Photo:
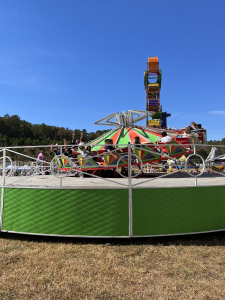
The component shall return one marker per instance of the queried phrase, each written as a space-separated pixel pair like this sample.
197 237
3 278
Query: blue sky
69 63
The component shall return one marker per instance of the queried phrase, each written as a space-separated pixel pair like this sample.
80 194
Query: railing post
2 193
130 192
60 180
196 182
3 169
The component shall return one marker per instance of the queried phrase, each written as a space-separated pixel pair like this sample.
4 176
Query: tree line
17 132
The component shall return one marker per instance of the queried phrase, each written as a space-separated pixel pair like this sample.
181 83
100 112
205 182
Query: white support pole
2 193
130 193
196 181
60 180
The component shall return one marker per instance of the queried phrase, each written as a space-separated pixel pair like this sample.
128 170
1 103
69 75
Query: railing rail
33 165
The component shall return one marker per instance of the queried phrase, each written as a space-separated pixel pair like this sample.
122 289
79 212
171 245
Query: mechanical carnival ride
151 151
117 207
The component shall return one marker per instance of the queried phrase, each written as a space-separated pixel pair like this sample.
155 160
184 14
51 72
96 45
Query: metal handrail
129 146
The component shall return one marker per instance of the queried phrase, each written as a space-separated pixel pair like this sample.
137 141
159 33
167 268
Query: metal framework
125 119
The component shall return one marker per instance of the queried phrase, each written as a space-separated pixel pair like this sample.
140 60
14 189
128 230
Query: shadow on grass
203 239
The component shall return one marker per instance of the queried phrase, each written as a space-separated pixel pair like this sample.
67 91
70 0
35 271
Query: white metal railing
169 165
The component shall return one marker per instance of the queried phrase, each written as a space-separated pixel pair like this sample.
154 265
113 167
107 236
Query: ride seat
145 153
172 148
183 140
111 160
86 163
162 146
200 136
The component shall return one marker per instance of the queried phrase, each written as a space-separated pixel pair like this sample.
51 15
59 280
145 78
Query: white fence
127 166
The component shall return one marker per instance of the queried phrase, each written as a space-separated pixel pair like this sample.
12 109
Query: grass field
187 267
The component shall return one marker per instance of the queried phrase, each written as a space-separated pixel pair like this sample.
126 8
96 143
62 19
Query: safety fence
145 165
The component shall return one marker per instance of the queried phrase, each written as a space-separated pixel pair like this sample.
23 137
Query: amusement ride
123 206
149 150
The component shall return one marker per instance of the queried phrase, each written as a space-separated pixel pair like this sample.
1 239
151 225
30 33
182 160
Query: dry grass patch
37 268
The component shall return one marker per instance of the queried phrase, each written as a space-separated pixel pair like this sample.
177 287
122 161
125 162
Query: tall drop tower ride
152 83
